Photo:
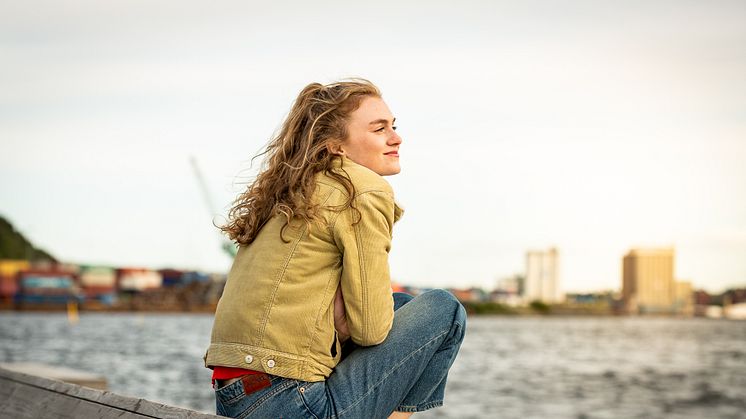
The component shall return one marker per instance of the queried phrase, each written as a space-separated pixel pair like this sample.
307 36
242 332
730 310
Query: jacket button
249 359
271 363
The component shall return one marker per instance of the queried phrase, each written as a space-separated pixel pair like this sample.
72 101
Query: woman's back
277 304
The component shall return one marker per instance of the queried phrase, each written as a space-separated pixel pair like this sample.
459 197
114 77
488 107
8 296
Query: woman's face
372 140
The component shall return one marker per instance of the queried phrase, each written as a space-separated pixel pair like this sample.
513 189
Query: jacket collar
398 211
341 161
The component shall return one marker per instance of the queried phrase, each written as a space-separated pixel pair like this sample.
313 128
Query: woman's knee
443 300
448 311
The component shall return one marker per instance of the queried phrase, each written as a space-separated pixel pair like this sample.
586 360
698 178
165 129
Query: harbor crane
227 246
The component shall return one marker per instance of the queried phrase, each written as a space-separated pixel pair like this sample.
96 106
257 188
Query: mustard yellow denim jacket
277 310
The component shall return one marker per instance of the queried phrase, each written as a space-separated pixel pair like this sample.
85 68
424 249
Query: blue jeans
407 372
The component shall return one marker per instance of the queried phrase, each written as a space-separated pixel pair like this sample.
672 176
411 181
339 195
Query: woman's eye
394 128
380 129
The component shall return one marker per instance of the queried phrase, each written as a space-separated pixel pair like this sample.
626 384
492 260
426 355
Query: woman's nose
395 139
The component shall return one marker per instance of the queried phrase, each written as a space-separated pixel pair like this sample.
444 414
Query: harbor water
509 367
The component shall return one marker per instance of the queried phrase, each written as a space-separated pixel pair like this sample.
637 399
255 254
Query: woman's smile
371 136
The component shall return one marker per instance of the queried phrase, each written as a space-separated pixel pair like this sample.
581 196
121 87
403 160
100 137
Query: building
511 284
648 284
509 291
684 298
542 277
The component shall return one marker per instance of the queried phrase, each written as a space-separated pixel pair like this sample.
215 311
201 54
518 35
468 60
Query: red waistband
226 373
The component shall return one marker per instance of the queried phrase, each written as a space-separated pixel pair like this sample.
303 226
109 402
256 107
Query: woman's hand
340 319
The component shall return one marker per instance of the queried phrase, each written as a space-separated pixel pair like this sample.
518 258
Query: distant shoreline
516 313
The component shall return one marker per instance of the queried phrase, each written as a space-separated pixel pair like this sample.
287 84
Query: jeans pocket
313 395
232 401
229 394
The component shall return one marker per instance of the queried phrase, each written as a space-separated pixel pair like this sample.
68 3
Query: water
508 367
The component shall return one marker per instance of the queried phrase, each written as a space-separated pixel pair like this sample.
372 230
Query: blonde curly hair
317 121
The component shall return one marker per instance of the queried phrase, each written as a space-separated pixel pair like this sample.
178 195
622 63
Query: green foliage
540 307
487 308
14 246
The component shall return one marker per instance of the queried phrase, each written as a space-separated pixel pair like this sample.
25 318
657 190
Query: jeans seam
420 407
376 385
460 327
263 399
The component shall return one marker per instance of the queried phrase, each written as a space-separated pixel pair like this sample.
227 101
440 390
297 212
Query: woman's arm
366 285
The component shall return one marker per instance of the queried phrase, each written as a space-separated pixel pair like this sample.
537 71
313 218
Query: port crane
227 246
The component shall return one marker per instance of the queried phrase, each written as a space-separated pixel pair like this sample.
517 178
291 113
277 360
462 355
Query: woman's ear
335 148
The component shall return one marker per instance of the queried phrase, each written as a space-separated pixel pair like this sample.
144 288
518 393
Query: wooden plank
67 375
33 402
25 396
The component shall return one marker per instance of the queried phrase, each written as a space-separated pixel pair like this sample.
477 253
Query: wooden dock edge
28 396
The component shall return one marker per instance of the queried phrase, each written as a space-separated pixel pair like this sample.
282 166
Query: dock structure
67 375
25 396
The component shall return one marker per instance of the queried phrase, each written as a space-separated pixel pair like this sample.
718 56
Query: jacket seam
387 193
318 313
278 279
243 345
329 230
330 185
364 283
357 193
333 221
307 349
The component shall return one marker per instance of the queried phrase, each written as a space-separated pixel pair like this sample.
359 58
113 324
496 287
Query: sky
591 126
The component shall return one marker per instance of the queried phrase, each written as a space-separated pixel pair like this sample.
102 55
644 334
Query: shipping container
9 269
46 289
194 276
45 283
99 296
138 279
171 277
97 276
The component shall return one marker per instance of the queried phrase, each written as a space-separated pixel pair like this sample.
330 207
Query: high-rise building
648 284
542 277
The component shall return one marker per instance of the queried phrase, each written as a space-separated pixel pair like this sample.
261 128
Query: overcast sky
592 126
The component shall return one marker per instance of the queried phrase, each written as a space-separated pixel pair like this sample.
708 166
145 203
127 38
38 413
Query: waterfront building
511 284
648 284
684 298
542 277
509 291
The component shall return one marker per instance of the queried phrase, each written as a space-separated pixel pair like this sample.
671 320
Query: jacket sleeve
365 281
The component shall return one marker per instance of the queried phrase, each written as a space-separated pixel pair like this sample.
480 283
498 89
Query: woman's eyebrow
381 121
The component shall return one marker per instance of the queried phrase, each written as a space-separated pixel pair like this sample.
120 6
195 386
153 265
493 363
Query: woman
311 278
